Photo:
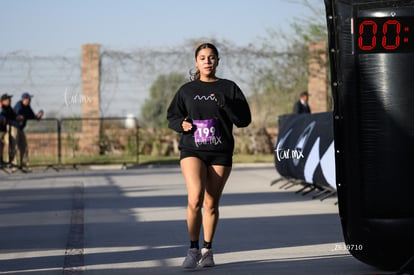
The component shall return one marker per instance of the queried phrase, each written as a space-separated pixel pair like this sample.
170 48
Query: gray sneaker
193 256
206 258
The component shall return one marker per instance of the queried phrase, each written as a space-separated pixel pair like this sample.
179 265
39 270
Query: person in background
302 106
24 110
204 111
3 131
10 120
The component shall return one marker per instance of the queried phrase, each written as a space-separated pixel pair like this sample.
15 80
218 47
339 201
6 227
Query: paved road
132 221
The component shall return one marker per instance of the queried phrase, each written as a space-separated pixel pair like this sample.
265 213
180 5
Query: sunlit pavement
133 222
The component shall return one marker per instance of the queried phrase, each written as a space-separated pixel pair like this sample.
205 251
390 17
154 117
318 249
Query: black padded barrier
304 150
371 46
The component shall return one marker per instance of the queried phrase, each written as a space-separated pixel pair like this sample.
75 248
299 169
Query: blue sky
57 26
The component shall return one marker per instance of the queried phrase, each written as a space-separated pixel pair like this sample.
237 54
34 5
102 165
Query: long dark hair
196 75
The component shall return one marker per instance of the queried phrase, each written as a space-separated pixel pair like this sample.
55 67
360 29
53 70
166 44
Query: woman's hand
187 125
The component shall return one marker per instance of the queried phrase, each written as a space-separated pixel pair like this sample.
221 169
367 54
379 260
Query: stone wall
317 74
90 96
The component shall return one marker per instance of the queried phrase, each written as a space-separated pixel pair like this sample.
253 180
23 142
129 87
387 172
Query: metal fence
72 141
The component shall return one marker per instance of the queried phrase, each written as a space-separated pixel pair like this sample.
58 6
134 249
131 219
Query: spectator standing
9 119
24 110
302 106
3 131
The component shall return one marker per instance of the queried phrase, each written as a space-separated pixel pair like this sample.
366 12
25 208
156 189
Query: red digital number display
376 35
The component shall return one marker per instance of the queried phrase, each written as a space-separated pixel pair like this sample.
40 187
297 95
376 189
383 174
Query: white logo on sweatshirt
203 97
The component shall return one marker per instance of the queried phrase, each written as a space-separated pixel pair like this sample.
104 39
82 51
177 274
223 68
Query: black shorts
209 158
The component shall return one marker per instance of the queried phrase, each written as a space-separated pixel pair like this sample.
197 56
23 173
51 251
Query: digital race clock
384 34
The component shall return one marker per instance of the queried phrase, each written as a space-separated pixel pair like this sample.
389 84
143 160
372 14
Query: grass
237 158
141 160
259 158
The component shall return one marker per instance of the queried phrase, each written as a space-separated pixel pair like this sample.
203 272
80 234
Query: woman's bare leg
195 173
216 179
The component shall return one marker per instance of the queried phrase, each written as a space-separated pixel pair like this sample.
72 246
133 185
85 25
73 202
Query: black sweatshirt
212 108
24 110
10 115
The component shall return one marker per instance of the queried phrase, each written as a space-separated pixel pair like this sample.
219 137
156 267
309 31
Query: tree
154 109
279 81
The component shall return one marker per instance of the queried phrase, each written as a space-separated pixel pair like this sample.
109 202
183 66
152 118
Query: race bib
207 131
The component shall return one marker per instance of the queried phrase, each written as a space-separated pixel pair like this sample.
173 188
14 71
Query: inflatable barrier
304 150
371 46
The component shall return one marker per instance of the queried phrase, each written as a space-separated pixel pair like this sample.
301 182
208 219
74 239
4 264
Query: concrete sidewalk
133 222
